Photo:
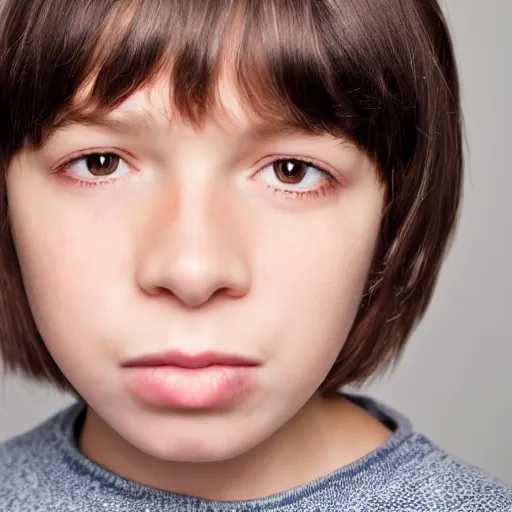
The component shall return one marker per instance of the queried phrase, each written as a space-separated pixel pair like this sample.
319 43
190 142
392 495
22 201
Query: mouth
191 361
185 381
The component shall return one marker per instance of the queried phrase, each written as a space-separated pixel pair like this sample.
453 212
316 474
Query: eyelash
329 185
329 182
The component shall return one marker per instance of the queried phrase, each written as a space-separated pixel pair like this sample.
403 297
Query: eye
294 175
97 165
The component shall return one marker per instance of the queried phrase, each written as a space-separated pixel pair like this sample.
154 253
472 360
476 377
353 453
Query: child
205 302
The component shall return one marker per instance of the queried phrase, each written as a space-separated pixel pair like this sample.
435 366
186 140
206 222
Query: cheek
313 282
70 264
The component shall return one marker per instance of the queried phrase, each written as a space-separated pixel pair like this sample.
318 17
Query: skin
195 250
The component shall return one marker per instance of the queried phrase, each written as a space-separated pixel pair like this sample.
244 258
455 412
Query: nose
193 248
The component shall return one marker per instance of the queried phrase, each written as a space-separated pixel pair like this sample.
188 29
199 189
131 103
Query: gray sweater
43 470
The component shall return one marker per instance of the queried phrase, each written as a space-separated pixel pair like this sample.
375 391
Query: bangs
316 65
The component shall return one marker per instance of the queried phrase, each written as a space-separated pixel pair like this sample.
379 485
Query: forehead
154 104
152 108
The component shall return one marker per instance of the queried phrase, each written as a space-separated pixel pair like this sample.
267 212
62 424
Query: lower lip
193 388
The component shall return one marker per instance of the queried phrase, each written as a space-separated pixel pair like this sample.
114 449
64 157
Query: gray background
455 379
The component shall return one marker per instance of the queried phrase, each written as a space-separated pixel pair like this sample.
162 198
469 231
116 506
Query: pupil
102 164
289 171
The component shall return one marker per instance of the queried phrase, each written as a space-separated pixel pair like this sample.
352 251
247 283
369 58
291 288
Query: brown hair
380 72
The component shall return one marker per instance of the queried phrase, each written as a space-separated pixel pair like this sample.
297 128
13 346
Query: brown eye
290 171
102 164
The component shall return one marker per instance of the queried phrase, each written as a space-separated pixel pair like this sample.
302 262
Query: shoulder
29 465
431 479
412 473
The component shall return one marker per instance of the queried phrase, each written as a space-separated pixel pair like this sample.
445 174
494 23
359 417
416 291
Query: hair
378 72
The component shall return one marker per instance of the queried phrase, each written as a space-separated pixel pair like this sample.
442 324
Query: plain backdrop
455 379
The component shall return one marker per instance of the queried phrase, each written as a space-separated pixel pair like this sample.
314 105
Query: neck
327 434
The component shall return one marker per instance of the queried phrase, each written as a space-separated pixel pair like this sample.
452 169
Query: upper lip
202 360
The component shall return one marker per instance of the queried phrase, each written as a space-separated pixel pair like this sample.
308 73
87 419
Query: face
148 247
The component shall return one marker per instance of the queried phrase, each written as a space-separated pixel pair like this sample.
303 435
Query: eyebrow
135 122
129 123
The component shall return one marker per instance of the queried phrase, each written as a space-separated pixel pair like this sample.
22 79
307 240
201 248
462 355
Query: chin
208 448
187 436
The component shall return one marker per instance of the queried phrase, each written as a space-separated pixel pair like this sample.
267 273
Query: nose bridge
196 248
202 223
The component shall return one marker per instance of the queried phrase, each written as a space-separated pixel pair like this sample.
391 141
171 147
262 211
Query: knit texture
43 471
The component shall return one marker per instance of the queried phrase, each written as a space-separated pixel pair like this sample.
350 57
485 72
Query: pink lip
176 358
179 380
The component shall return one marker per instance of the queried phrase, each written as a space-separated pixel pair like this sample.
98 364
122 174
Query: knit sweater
43 470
